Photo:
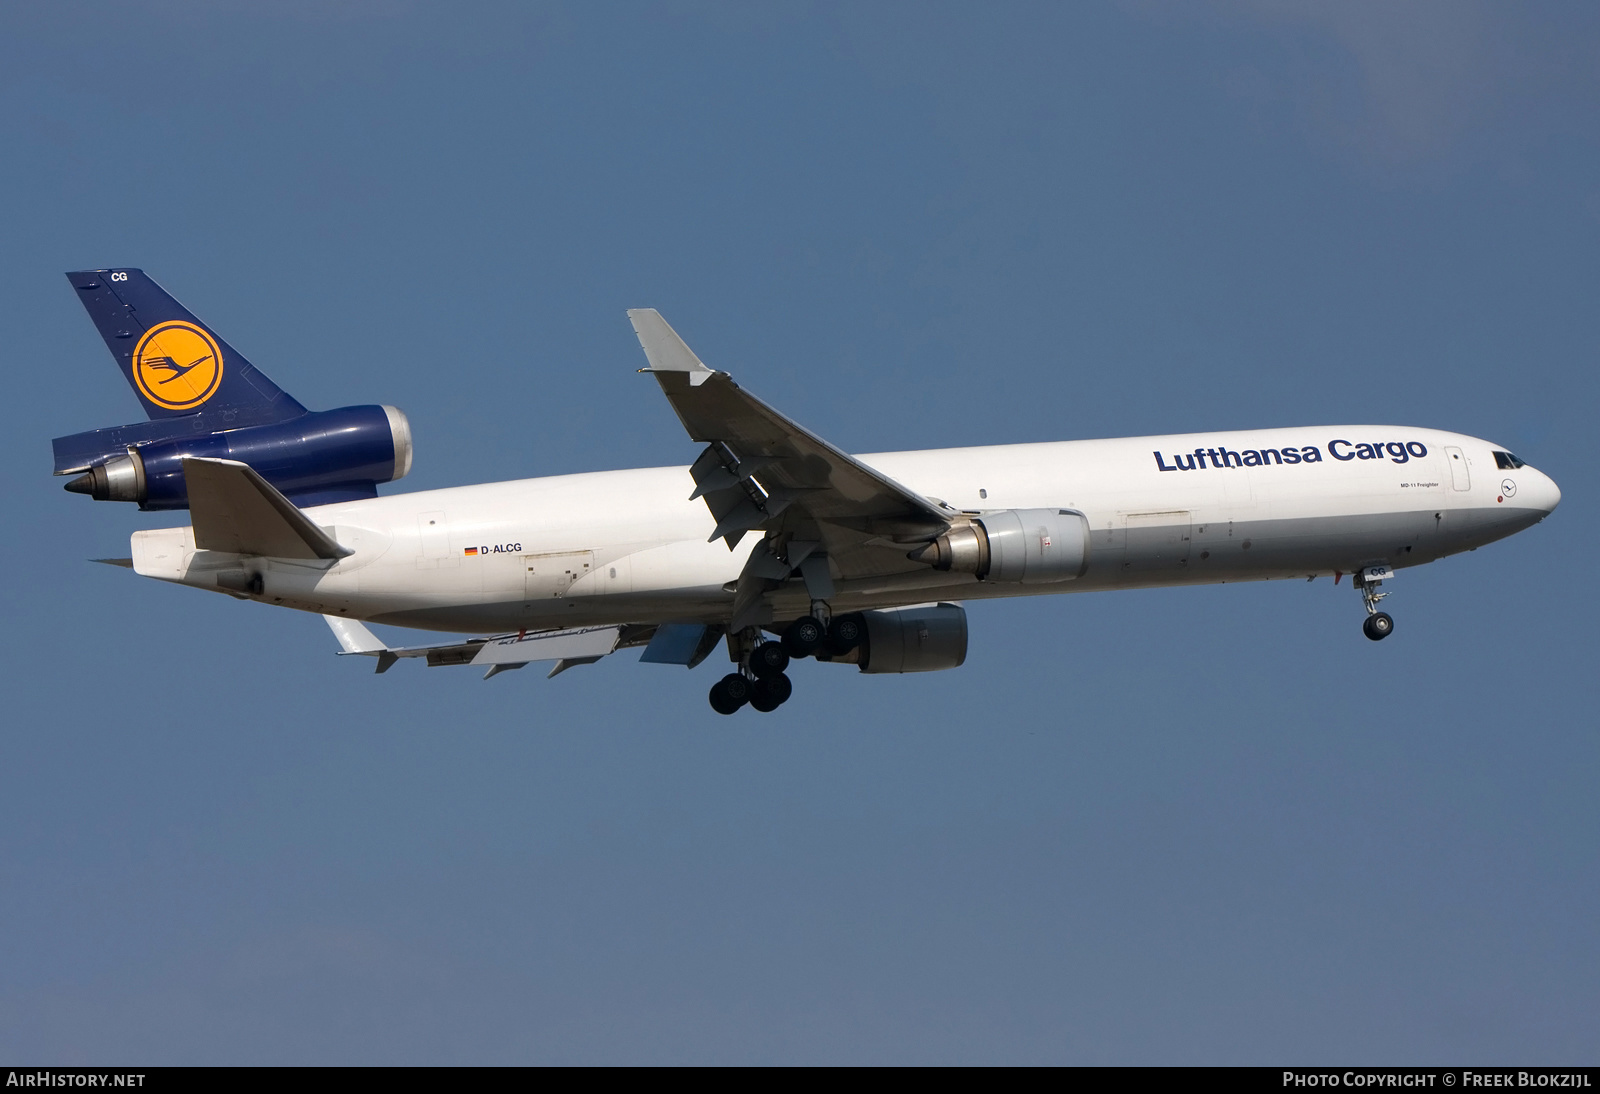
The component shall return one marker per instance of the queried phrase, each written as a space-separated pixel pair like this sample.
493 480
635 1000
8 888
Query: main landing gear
761 683
761 680
1378 625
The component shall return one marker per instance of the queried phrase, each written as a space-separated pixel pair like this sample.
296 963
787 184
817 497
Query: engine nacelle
1028 546
924 638
314 459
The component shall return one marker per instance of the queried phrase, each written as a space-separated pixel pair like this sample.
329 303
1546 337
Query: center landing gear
1378 625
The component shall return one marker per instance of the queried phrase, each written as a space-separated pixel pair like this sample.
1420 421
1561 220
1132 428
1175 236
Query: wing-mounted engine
314 459
923 638
1027 546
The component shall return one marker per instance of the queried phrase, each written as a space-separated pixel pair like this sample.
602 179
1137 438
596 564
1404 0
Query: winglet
664 349
354 637
236 510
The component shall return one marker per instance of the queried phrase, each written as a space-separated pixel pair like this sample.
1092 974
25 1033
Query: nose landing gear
1378 625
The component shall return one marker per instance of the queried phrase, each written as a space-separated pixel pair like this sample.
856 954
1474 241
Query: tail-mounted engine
314 459
1029 546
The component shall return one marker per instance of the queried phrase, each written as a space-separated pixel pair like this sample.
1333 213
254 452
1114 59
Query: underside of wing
676 644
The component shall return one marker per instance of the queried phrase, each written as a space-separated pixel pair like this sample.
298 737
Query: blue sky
1178 826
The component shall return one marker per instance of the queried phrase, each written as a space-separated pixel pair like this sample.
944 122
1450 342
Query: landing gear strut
1378 625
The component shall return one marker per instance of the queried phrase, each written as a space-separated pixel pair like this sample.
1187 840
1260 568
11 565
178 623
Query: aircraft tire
802 637
769 659
1378 626
770 693
730 693
844 634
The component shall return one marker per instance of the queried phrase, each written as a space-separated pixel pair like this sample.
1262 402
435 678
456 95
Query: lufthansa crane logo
177 365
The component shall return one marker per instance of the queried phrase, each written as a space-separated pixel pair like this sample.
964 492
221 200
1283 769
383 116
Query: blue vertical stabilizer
177 365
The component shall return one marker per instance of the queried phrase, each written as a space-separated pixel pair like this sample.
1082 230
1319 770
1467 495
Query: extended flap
588 642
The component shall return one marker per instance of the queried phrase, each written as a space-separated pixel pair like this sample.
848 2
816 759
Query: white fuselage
630 547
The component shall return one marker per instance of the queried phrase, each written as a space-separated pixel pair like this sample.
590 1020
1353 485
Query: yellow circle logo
177 365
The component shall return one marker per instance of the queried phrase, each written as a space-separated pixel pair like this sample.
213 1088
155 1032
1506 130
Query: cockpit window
1505 461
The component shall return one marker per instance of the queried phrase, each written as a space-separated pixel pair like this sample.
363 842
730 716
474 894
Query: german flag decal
496 549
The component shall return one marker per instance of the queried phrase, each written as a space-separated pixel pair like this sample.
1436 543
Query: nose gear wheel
1378 625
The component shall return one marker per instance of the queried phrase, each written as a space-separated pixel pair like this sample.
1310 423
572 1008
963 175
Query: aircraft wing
760 470
671 644
568 648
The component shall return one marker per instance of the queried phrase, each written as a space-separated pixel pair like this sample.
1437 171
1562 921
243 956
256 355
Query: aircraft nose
1551 492
1539 491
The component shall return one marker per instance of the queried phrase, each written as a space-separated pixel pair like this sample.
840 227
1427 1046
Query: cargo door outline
550 574
613 578
1154 542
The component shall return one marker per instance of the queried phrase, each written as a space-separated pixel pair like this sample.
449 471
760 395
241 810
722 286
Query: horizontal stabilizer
235 510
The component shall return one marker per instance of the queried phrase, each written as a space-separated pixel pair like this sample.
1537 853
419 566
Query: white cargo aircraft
772 531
